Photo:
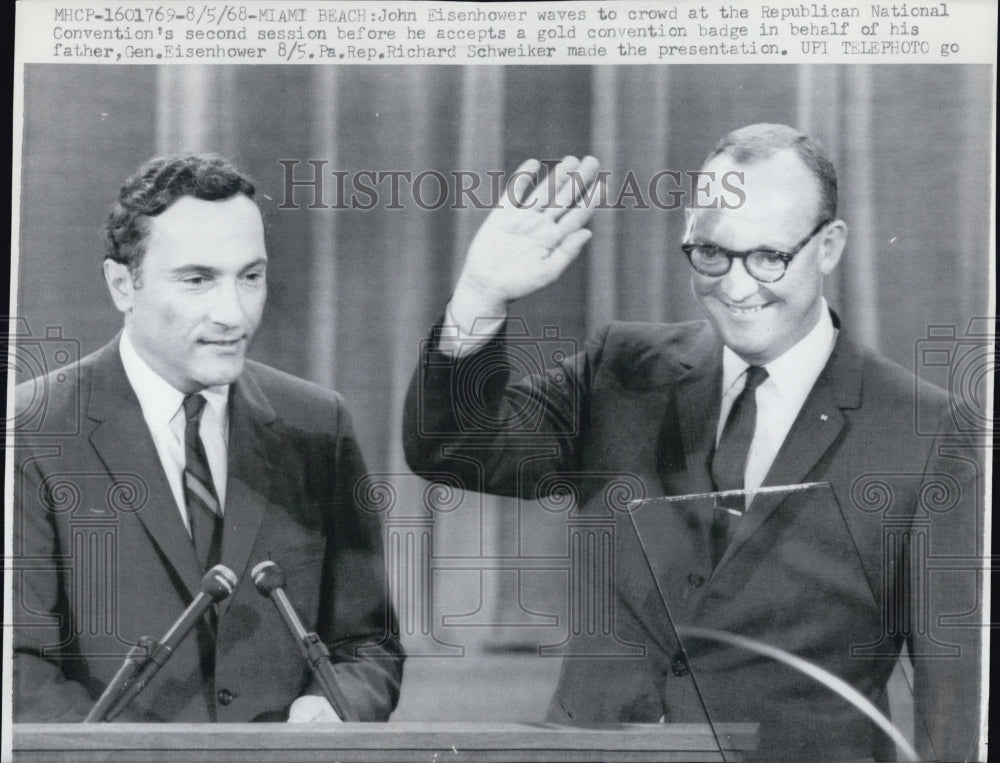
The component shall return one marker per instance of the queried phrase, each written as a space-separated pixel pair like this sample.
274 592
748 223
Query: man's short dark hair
761 141
154 187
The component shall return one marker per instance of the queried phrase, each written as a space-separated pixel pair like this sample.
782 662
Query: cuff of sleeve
312 708
458 341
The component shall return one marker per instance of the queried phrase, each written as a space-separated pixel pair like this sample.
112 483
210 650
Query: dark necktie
199 491
730 459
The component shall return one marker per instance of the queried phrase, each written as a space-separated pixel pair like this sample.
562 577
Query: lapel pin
823 417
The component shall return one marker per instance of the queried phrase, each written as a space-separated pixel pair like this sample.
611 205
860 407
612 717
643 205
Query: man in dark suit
167 452
770 391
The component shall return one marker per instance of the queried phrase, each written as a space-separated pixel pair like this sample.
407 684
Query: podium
456 742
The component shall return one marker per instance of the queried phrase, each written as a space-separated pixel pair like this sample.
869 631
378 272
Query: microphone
218 583
270 583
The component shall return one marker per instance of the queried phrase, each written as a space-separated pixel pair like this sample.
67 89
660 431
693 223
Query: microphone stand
218 583
135 661
270 582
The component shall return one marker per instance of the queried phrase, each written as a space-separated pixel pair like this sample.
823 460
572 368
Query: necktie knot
194 406
756 375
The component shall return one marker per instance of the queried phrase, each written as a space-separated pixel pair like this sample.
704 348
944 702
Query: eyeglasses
766 265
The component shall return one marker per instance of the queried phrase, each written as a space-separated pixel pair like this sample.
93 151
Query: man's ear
120 284
831 246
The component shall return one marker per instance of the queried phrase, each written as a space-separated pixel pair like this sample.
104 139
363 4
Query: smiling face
193 305
760 321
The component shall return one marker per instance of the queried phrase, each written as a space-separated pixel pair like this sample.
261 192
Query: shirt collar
799 366
159 399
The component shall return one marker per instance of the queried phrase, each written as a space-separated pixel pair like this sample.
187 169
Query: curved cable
825 677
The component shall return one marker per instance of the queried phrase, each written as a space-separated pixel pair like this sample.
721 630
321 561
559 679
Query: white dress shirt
163 409
459 341
790 379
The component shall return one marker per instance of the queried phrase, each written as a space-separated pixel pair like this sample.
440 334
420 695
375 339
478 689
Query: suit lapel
698 403
125 446
816 428
687 418
253 448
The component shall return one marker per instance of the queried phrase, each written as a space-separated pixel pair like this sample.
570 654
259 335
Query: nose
738 285
227 306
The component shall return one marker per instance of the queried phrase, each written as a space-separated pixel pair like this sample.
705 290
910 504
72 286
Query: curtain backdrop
353 292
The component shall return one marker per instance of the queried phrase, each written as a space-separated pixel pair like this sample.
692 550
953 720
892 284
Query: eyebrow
755 248
260 261
184 270
781 249
208 270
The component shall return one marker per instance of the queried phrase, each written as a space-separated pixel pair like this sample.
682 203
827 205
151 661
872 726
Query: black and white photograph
437 409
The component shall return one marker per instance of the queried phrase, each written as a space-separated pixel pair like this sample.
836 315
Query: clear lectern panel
774 611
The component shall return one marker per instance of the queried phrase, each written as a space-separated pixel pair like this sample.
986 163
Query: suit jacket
102 556
841 575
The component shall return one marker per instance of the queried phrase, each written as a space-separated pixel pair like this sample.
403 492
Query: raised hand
529 239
